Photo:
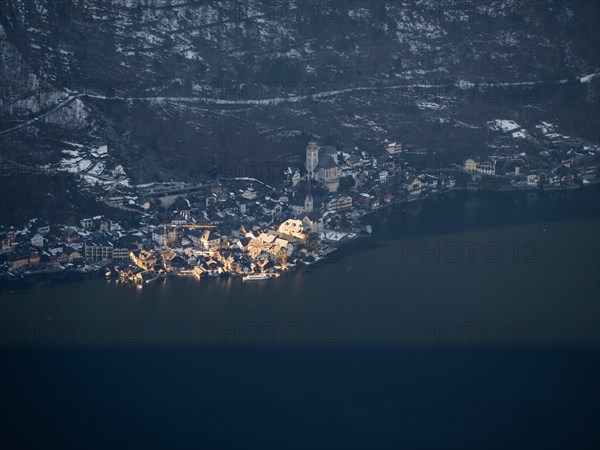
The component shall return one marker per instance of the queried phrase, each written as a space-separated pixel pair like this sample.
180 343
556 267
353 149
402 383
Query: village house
429 181
62 258
363 199
275 209
210 200
532 179
589 171
487 167
73 256
6 245
394 148
173 236
194 235
269 245
292 227
24 260
296 177
87 223
178 220
115 200
554 180
542 178
186 213
340 203
413 186
249 194
37 240
41 227
104 224
389 164
296 206
98 251
470 165
229 206
568 179
176 263
121 254
209 242
212 244
74 238
353 162
313 223
158 235
143 259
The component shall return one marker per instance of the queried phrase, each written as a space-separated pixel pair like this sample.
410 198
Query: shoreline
69 275
510 190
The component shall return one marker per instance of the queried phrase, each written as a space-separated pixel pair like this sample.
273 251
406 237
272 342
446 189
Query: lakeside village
243 227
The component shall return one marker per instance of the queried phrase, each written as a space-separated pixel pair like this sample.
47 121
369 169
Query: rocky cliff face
175 85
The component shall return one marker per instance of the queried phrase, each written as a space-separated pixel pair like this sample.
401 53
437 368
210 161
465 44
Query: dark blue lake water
466 322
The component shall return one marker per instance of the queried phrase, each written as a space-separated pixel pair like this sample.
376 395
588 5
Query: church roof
327 162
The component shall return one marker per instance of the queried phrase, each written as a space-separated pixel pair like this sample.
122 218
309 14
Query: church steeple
308 201
312 158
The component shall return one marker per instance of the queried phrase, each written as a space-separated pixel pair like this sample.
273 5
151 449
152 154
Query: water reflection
368 289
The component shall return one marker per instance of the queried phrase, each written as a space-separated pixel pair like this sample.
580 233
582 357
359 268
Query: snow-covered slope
175 85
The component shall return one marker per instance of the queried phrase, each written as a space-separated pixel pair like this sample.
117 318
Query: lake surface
466 321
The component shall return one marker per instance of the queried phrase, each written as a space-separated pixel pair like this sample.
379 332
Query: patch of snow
520 134
359 13
463 84
332 235
503 125
84 164
428 105
588 78
97 169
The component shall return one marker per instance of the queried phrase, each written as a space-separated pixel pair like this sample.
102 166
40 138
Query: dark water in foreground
468 322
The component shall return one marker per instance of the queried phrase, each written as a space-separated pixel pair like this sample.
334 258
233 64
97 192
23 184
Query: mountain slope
176 86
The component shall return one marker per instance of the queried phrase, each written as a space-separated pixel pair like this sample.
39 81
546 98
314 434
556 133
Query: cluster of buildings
187 243
243 226
484 167
549 169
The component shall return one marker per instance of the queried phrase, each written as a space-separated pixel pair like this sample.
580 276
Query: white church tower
308 200
312 158
308 203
